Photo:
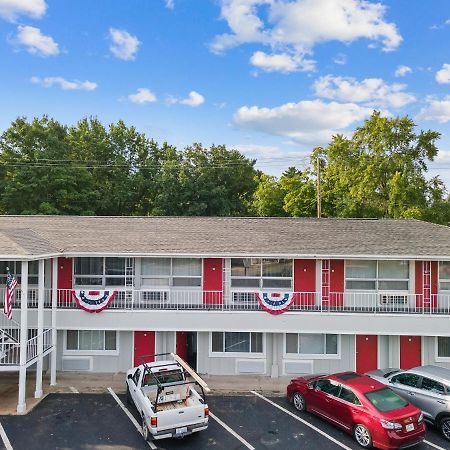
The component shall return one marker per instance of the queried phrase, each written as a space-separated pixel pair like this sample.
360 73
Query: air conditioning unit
393 299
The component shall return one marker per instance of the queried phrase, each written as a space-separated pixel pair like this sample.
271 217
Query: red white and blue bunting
93 301
275 302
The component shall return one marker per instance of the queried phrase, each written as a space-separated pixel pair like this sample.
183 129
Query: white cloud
194 99
401 71
370 91
310 122
281 62
436 110
443 75
142 96
340 59
35 42
11 9
124 45
170 4
294 27
65 84
269 153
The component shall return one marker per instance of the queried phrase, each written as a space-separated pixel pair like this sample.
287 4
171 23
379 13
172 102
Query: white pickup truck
168 403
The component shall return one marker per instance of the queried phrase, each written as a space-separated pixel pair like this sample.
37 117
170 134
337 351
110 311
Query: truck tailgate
180 417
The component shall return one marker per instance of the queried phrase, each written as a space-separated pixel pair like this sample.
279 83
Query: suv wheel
299 402
362 436
445 427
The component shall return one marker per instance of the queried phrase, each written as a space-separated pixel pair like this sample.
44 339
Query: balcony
197 300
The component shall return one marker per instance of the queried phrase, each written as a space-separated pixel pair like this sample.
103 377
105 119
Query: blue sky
273 78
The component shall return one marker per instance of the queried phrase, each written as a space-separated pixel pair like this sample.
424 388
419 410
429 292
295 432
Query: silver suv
427 387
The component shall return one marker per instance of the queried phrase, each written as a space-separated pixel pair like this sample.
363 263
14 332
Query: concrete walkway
86 382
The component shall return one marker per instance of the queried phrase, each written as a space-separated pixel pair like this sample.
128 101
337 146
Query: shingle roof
222 236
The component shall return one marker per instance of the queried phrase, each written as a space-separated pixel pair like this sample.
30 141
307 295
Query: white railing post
40 331
54 306
21 405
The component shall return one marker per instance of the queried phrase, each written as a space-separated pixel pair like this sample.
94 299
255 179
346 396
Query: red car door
345 407
322 397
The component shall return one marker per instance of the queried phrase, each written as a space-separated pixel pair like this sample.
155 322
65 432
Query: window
175 272
349 396
15 267
236 342
407 379
312 344
444 275
100 272
330 387
261 273
386 400
377 275
433 386
443 347
91 340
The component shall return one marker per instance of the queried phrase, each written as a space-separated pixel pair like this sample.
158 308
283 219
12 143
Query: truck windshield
170 376
386 400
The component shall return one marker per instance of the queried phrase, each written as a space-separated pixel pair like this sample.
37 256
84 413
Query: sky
271 78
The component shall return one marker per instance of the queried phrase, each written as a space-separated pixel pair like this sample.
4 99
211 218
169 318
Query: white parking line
331 438
5 439
231 431
434 445
130 416
74 390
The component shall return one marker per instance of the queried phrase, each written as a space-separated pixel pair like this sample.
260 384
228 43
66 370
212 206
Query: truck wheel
445 427
129 399
145 431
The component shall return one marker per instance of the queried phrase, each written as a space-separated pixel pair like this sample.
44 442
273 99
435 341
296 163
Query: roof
361 383
33 236
435 372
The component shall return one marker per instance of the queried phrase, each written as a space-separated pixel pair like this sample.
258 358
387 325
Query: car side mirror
310 386
130 376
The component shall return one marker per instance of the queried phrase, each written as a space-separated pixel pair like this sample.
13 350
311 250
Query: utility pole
319 196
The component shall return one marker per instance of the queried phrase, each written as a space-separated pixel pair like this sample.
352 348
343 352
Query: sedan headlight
390 425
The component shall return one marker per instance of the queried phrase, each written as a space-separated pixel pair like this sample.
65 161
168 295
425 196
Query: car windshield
386 400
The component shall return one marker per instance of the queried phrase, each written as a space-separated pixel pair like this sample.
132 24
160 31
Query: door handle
411 393
441 402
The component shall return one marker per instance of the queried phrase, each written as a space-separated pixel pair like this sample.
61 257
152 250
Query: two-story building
359 294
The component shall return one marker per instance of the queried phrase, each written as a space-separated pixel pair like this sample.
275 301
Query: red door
182 345
366 353
144 345
410 352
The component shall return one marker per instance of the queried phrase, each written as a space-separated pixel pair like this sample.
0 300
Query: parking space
97 422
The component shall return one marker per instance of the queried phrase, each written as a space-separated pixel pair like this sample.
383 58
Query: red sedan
362 406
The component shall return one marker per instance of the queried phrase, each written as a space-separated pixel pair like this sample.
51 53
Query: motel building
232 296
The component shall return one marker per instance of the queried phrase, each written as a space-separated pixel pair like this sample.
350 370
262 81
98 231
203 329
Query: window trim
244 355
444 280
170 286
260 278
301 356
91 352
377 279
436 350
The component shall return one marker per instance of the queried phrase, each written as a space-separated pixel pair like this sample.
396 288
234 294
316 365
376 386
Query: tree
300 193
380 171
268 199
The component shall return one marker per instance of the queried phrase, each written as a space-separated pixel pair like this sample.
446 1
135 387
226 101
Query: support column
54 305
274 372
21 405
40 336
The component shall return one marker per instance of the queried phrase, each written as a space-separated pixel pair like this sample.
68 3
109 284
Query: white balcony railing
240 300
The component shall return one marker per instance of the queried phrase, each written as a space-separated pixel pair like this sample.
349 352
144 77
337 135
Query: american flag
11 283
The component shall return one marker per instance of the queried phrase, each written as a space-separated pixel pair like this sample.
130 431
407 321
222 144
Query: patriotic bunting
275 302
93 301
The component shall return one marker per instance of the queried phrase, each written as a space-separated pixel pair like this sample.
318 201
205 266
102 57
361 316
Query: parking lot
105 422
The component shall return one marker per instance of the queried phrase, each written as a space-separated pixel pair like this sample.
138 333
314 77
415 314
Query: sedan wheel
299 402
145 432
362 436
445 427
